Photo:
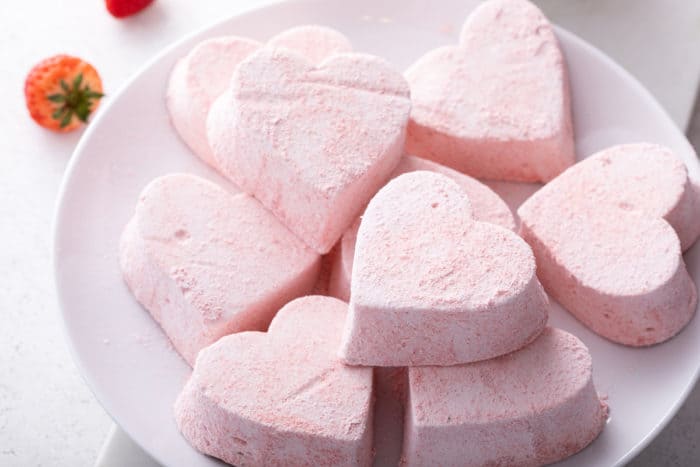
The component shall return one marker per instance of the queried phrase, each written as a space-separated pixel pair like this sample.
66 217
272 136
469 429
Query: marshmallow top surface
335 157
345 157
419 240
640 176
486 205
290 378
614 252
603 217
506 79
210 65
325 138
203 236
205 73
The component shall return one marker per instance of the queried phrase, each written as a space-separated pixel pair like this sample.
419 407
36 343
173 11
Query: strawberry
61 92
124 8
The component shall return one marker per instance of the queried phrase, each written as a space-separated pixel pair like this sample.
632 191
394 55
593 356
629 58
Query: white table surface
47 414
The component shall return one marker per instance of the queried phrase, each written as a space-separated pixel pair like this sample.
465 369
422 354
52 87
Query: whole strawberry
124 8
61 92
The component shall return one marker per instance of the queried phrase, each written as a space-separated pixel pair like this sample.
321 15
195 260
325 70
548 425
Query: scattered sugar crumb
447 29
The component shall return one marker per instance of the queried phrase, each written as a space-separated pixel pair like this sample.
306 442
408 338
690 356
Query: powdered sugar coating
642 177
281 398
432 286
316 43
497 105
604 251
486 205
531 407
206 263
196 81
313 144
205 72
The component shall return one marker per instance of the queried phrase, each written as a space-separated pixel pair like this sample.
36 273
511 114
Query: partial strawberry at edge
124 8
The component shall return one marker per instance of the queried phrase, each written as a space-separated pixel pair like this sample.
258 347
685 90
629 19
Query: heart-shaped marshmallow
206 263
497 105
604 250
313 144
531 407
486 206
281 398
433 286
205 72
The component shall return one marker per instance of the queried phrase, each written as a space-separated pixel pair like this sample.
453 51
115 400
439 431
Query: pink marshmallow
205 72
316 43
196 81
281 398
497 105
532 407
313 144
206 263
603 234
433 286
487 206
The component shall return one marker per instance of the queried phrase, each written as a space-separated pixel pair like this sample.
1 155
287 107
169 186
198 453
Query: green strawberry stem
74 100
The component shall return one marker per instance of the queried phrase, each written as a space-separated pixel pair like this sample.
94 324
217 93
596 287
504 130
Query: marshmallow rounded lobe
196 81
496 106
532 407
206 263
606 237
432 286
281 398
313 144
487 206
643 177
316 43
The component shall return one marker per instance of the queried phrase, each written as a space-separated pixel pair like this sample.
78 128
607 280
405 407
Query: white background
47 414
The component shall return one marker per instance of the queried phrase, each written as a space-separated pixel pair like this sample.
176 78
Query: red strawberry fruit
61 92
124 8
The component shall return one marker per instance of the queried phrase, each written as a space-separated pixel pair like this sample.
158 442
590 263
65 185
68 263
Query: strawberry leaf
77 100
56 98
59 113
66 119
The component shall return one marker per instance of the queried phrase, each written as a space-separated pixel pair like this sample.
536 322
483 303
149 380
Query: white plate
126 359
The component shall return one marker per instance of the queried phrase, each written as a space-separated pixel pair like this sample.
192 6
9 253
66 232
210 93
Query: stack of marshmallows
356 259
